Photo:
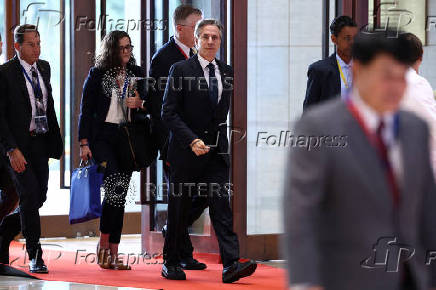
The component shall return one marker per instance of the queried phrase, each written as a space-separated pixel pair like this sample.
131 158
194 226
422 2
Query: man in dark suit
180 47
195 108
29 132
332 77
361 216
9 219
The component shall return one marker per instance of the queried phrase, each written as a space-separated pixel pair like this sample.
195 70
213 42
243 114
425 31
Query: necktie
384 157
213 84
40 116
36 89
191 52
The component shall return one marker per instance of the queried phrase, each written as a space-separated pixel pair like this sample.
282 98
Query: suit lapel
334 63
199 75
45 77
176 48
22 83
407 151
368 163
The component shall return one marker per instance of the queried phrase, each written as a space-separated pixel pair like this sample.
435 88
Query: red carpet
64 266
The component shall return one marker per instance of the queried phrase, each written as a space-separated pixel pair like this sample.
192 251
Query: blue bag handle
85 167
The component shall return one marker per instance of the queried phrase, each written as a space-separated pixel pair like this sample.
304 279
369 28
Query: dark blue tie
213 84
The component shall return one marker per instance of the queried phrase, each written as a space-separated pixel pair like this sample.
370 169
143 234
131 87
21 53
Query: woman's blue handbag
85 200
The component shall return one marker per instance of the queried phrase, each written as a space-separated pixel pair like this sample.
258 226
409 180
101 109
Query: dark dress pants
32 185
110 147
210 183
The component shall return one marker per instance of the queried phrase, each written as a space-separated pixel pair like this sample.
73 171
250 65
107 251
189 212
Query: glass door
155 212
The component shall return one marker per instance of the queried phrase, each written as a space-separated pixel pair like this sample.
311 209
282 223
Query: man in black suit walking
29 132
195 108
181 46
332 77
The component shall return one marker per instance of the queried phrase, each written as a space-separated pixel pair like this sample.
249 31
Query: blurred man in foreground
352 211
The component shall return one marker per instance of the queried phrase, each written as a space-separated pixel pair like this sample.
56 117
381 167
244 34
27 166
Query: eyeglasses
127 48
192 26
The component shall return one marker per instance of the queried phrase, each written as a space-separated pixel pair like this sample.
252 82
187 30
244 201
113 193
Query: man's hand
85 152
134 102
199 148
17 160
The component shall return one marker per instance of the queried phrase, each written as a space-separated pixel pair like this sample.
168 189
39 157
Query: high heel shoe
117 264
103 258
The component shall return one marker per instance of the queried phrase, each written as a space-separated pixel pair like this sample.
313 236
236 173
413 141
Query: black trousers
9 219
32 185
199 204
8 194
109 147
210 184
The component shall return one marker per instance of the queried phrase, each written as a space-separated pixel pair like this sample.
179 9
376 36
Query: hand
85 152
199 148
134 102
17 160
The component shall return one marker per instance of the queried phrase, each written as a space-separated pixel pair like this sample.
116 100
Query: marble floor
14 283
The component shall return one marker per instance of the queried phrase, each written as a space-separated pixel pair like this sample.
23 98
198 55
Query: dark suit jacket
161 63
324 81
16 110
338 204
95 104
189 113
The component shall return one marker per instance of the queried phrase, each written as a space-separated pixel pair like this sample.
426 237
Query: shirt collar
27 67
371 118
203 62
343 63
185 48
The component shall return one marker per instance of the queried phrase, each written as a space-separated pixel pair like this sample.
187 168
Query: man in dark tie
181 46
29 133
332 77
361 216
195 108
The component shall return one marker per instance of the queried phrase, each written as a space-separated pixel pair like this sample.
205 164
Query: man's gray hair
202 23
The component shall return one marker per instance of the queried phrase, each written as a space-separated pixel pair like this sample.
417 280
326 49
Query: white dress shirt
419 99
185 49
348 74
115 114
27 68
371 120
204 63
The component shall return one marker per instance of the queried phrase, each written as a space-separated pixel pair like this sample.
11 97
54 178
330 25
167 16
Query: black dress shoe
164 231
173 272
37 266
238 270
192 264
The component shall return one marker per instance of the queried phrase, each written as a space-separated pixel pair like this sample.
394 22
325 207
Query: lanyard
35 89
342 75
126 83
181 50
